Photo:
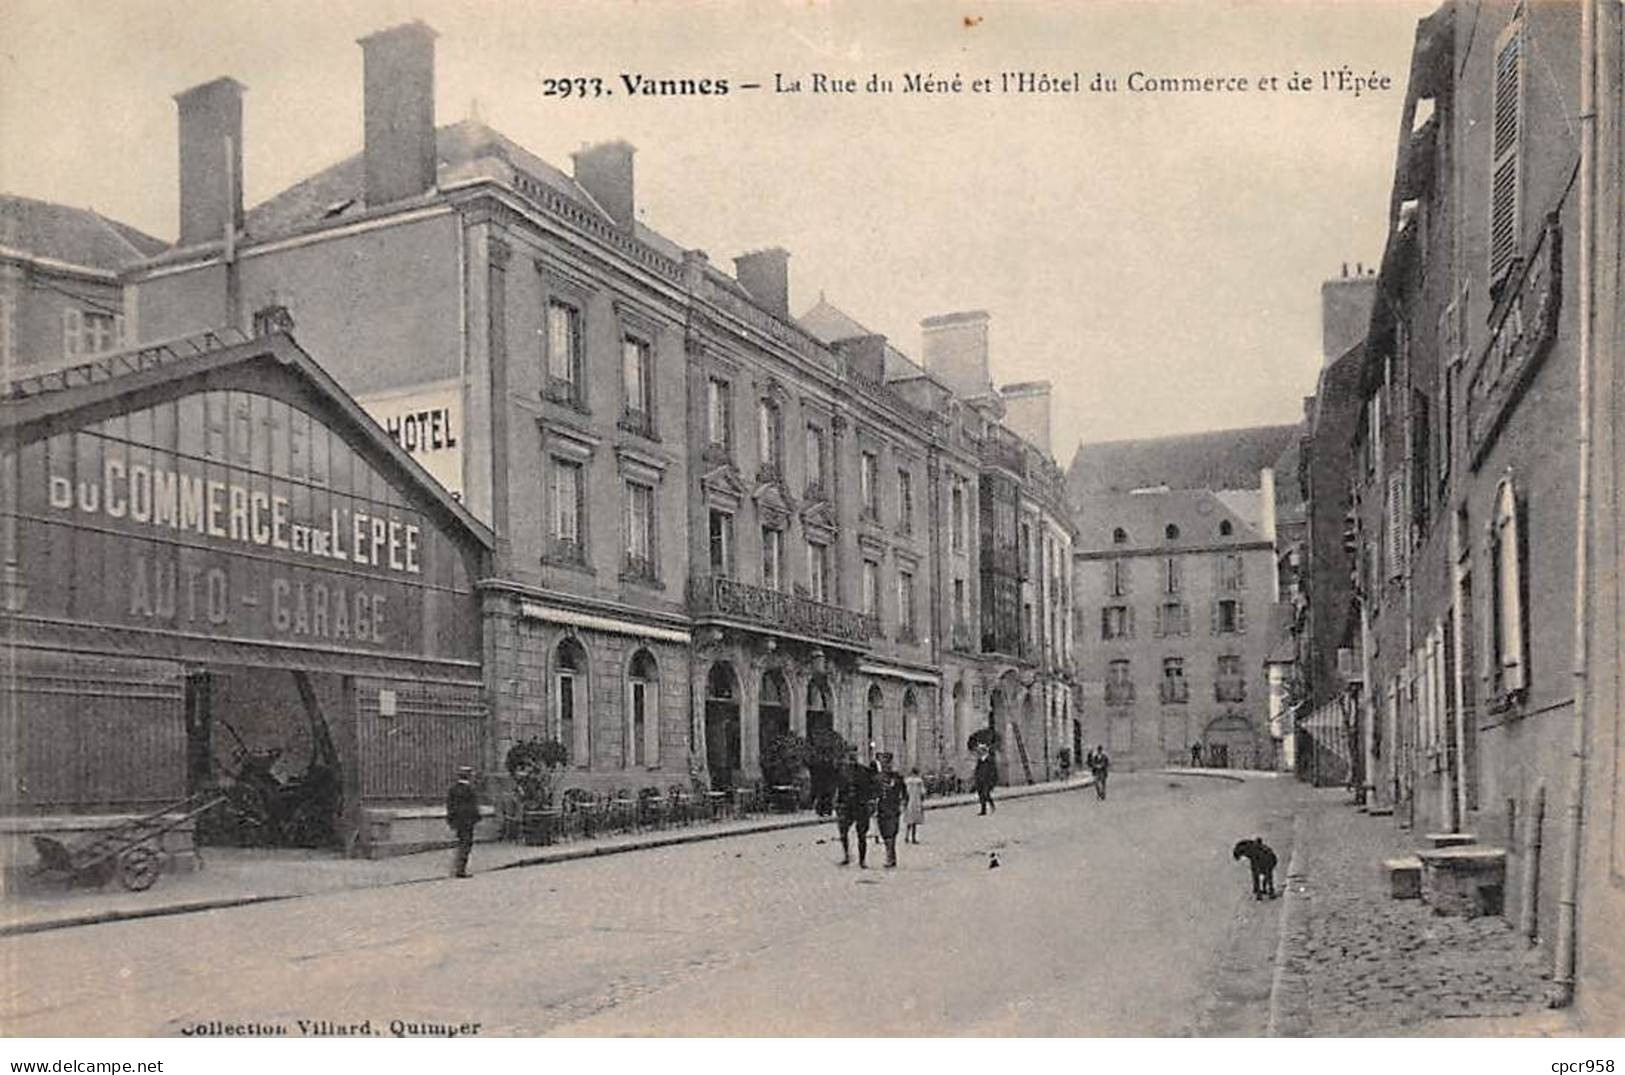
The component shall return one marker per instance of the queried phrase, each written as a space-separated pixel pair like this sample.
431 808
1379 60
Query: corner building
712 524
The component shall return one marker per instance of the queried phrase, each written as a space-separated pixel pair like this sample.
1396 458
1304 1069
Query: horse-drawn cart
133 850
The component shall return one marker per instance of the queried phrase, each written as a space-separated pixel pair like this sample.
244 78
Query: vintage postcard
809 520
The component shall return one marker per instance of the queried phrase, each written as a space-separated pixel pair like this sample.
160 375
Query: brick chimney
211 188
1027 411
605 172
766 275
954 349
398 105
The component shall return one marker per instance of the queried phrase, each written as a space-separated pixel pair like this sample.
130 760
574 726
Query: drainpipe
1529 904
1568 901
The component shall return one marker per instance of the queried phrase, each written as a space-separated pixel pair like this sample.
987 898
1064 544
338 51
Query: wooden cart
134 850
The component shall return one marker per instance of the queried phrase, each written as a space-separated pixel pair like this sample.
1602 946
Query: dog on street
1261 861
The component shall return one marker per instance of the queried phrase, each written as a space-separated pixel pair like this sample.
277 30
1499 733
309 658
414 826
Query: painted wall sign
236 516
427 422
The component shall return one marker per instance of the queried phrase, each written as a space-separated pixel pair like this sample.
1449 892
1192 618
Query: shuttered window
1510 655
1506 140
1395 510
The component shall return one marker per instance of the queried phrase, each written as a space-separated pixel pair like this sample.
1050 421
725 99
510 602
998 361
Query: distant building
60 291
1177 587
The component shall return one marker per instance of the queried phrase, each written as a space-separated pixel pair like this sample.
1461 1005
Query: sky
1157 256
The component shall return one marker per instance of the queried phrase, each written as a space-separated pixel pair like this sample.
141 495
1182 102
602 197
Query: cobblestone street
1356 962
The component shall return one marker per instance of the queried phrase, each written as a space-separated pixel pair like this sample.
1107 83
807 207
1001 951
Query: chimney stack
766 275
865 357
1027 412
954 349
604 171
398 87
1345 312
211 159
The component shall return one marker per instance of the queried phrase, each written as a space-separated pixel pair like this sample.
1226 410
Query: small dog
1262 861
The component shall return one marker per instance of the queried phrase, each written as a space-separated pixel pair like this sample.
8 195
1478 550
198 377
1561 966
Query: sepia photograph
1088 526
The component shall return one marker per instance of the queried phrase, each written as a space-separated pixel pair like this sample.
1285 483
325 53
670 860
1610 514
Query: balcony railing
997 452
1175 691
711 595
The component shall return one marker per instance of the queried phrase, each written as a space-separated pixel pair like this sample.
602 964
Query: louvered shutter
1396 524
1129 620
1506 138
1241 618
73 328
1161 627
1213 618
1509 580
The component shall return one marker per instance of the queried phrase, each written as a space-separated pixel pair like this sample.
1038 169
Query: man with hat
462 814
856 794
889 806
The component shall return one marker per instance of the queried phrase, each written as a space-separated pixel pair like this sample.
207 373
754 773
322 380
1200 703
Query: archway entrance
722 743
772 724
1230 743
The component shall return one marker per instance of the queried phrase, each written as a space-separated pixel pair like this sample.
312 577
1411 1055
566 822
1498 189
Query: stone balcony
713 598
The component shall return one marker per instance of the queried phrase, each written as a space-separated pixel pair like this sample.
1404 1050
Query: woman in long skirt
914 812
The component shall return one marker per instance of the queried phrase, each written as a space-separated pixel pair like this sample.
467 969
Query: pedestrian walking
1099 768
914 812
985 778
889 806
855 794
462 814
1196 755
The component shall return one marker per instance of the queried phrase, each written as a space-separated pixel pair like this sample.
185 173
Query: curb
95 918
1288 1017
1208 773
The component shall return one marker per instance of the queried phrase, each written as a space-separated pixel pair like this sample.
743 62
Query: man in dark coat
462 814
985 778
1099 768
889 806
856 794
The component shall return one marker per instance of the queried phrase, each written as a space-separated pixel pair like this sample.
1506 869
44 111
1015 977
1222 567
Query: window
1174 688
636 380
772 558
769 432
1173 620
1228 618
564 380
1118 574
567 509
1026 550
1231 573
1116 621
815 461
1119 683
868 492
1421 460
1224 528
1119 536
643 711
905 501
905 604
1506 148
818 571
871 588
569 681
1229 685
957 517
1172 576
961 613
1171 532
1509 671
640 532
1395 515
719 412
90 332
722 544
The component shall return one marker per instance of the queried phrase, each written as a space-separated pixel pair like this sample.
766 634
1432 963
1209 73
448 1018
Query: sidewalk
1355 962
234 877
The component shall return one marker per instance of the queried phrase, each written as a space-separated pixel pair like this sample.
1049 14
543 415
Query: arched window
1224 528
874 713
1171 532
570 702
643 711
910 714
1119 536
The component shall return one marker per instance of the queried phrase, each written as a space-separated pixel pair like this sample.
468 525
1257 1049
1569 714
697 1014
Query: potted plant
531 763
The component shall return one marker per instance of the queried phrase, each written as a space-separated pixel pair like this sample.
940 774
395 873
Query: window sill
569 563
560 400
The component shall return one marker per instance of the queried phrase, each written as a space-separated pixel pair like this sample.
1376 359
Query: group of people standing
879 791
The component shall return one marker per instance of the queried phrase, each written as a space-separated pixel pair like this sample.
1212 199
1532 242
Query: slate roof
1223 459
77 236
1145 516
336 191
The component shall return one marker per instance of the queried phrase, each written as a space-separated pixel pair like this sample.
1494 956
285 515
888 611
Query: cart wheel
138 868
